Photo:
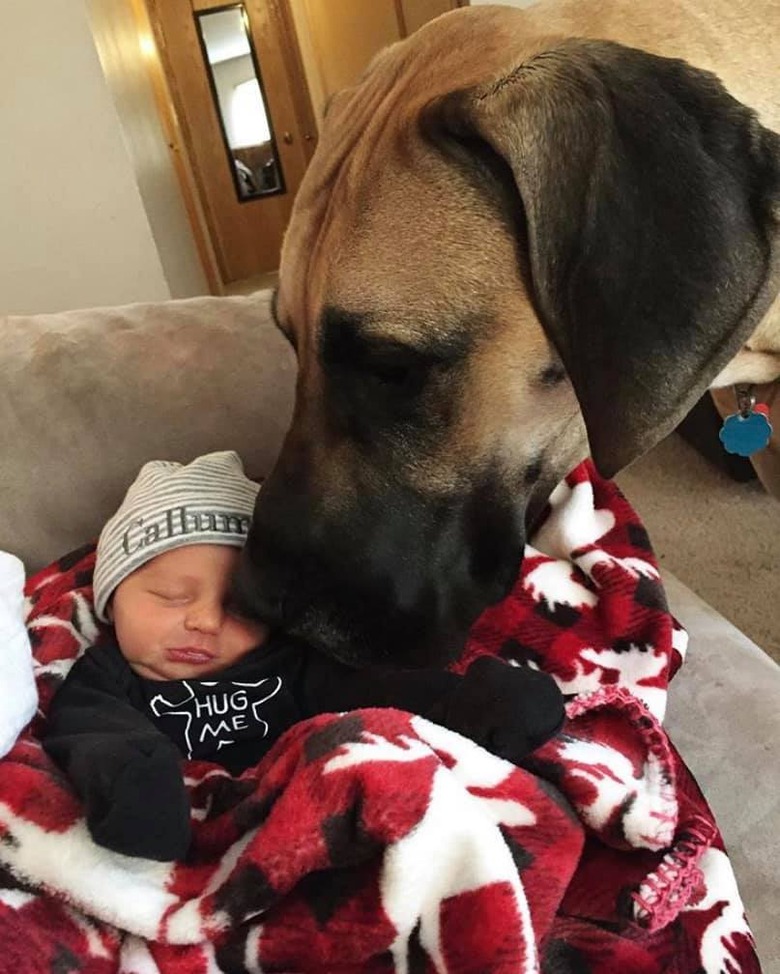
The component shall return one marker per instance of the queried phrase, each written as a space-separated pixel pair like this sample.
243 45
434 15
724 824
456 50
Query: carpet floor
719 537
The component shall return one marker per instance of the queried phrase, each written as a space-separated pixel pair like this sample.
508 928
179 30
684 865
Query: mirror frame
241 8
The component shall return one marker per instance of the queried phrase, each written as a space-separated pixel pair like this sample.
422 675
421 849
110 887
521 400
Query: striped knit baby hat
169 505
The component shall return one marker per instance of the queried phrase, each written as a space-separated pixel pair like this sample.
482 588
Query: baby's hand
145 811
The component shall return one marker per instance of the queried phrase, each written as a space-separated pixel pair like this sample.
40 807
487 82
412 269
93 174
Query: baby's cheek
170 628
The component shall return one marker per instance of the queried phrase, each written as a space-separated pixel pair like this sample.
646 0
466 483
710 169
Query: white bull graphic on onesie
218 713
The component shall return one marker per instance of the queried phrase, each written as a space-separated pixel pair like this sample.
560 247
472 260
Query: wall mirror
237 87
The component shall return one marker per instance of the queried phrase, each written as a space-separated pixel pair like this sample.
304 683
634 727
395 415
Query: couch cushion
724 717
88 396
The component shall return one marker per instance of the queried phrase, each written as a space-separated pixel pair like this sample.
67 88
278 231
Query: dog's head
504 256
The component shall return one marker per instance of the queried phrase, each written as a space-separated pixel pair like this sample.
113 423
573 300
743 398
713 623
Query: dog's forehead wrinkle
426 330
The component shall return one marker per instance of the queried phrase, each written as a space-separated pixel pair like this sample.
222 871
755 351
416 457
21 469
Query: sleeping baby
181 674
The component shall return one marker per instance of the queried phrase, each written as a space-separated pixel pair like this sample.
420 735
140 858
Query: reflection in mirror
237 88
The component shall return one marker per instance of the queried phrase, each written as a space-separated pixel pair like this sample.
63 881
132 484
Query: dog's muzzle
393 578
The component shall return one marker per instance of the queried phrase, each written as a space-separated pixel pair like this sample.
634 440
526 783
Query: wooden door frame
179 139
401 16
182 164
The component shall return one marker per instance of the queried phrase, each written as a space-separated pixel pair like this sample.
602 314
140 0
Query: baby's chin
167 671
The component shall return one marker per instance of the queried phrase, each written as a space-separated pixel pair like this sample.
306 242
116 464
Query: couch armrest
724 717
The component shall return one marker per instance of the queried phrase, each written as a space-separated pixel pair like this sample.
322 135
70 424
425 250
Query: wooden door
238 89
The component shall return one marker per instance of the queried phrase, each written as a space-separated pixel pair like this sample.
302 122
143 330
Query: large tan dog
514 245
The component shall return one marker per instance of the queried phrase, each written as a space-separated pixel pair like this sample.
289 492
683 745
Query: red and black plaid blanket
377 842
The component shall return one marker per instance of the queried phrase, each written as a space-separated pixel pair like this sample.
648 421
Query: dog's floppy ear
652 202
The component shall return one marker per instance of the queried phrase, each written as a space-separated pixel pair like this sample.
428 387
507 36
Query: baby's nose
206 615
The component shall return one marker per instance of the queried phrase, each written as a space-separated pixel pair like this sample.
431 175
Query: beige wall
121 53
74 229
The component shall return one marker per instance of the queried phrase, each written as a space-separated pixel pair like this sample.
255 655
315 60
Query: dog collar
748 430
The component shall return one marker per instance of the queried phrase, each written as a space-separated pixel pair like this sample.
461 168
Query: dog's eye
395 373
389 365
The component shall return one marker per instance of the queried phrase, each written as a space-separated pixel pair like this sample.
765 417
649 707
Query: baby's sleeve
125 771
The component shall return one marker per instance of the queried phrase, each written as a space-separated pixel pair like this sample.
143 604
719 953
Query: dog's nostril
250 599
533 472
238 600
552 375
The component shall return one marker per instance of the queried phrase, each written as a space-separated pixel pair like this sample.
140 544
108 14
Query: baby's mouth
189 654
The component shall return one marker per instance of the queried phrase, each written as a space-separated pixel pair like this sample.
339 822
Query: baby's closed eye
171 596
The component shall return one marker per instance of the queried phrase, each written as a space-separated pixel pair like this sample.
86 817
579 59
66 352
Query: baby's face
172 617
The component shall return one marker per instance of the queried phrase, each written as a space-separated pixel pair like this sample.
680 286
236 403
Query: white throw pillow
18 693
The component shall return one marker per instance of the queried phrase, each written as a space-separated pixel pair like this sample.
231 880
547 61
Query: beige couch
87 396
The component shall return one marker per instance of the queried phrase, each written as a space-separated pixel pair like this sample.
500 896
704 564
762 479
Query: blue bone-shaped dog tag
745 435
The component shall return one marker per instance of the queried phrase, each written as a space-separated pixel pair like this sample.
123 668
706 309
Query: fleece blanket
377 842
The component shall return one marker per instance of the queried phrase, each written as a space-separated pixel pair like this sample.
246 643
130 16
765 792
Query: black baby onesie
120 738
